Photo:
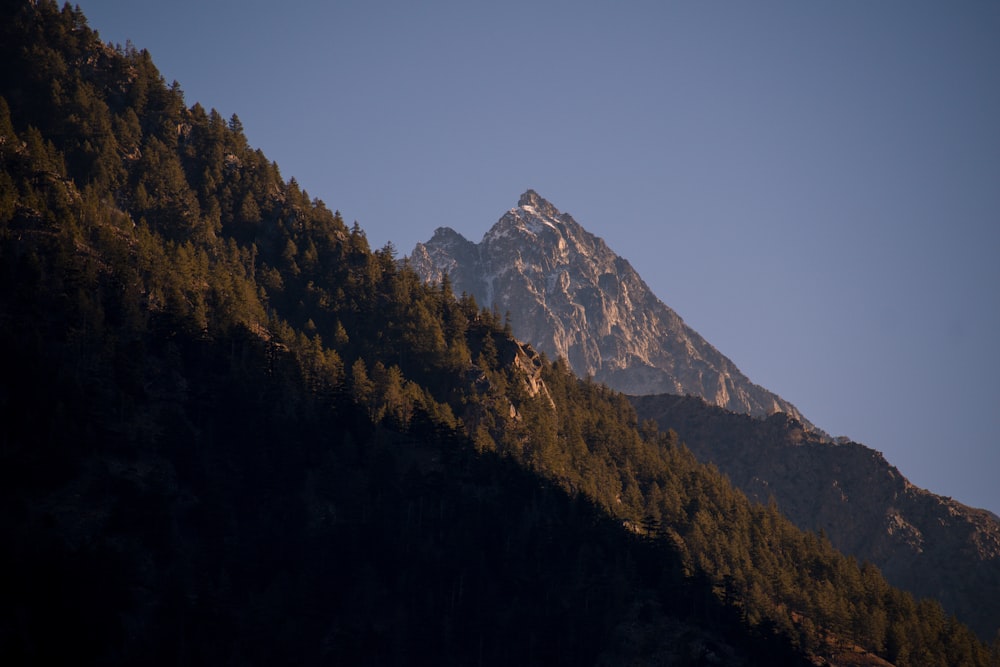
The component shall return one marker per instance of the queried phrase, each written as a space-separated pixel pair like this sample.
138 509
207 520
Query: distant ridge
928 544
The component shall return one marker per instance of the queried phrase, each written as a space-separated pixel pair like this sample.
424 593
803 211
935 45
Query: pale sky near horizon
813 186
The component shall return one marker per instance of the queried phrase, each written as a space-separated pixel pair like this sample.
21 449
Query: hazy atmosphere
813 187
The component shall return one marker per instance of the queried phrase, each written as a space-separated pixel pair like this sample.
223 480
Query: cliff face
930 545
571 296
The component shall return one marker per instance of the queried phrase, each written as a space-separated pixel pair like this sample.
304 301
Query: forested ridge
231 433
923 543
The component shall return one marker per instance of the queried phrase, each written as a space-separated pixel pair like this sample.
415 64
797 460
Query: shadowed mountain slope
925 543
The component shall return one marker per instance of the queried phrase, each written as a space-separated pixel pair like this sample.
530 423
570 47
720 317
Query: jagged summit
532 200
571 296
535 217
446 233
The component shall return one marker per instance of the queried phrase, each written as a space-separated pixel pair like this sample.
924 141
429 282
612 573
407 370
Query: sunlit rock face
571 296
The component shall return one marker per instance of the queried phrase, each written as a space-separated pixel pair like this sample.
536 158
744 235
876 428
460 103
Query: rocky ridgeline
571 296
928 544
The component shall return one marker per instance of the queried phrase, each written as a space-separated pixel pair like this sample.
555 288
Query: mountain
231 433
573 297
569 295
928 544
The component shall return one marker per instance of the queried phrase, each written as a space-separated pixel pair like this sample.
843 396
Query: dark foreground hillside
230 433
243 520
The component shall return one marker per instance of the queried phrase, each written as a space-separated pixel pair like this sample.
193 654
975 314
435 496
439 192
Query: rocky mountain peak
530 198
448 252
444 235
532 201
534 223
571 296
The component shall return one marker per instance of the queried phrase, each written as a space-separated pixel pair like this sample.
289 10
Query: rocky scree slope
571 296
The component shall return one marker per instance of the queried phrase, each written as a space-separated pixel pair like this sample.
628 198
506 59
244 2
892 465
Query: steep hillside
230 433
928 544
573 297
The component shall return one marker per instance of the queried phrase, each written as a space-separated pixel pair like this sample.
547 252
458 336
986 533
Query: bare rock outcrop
571 296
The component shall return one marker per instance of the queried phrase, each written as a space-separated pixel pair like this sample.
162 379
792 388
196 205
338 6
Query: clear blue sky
813 186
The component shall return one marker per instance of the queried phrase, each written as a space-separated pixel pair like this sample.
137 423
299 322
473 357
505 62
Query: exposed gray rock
571 296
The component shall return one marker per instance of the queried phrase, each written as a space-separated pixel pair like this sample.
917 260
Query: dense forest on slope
924 543
232 433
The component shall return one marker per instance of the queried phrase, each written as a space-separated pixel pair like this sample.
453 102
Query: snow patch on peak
535 222
537 204
505 227
518 223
